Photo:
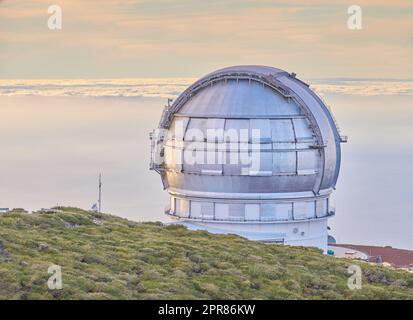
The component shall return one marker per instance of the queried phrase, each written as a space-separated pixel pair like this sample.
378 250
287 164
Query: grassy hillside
105 257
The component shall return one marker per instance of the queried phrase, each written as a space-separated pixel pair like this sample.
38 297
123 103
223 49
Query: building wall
309 233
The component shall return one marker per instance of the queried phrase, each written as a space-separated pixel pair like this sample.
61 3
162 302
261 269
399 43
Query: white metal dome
288 135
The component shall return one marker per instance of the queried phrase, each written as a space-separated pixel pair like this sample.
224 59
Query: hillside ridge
102 256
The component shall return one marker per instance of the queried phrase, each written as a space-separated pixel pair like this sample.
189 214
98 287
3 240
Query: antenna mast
100 192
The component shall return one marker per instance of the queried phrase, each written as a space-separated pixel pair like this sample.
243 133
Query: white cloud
172 87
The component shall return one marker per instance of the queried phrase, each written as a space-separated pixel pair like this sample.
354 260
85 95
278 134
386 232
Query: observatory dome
250 150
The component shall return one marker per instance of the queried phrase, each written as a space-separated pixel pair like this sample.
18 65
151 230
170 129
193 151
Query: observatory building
250 150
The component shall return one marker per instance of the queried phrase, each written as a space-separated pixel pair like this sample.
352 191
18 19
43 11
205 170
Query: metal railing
213 219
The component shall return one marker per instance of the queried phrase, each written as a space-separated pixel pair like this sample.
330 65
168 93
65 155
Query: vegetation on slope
106 257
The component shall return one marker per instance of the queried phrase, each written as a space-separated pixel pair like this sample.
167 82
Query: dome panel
241 98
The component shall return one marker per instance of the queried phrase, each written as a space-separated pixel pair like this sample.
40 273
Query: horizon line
195 77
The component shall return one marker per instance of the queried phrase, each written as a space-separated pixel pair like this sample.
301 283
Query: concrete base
308 233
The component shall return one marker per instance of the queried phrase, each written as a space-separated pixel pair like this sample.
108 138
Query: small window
221 211
252 212
267 211
207 210
237 211
304 210
204 210
321 207
182 207
284 211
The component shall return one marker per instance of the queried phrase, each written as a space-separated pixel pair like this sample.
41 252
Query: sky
182 38
81 100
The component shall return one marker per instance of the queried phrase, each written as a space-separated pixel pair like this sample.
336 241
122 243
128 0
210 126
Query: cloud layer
172 87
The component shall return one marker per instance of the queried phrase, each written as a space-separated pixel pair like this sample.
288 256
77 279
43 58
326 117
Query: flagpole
100 192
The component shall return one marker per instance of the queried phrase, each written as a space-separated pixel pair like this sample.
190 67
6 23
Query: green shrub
106 257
